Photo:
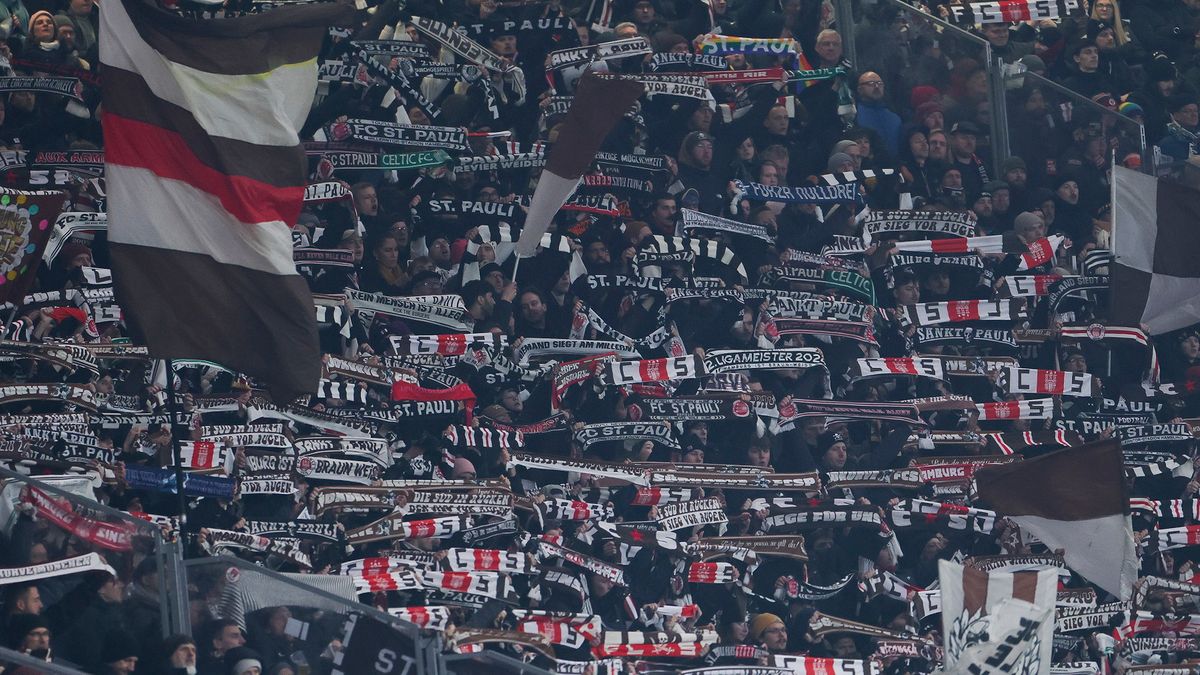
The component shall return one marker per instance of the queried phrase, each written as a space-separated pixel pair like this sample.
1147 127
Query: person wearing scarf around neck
43 45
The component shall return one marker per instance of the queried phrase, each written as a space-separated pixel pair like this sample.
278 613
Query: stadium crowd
728 415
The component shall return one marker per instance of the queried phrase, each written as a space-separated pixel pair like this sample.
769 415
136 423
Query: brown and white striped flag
1074 500
997 622
206 178
599 104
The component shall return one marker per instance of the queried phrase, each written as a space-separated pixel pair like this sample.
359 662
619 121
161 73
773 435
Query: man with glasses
873 112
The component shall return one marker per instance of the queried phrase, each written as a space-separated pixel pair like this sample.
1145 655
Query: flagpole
516 264
176 448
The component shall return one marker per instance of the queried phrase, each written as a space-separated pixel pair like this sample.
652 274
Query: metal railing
144 538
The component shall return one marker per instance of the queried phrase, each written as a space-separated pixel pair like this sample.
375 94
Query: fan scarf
963 261
821 195
566 375
460 435
621 472
954 311
1029 285
391 528
1028 409
697 220
846 410
690 409
485 502
713 43
958 224
1153 433
688 62
733 360
302 529
850 330
573 509
984 337
460 44
617 373
448 316
61 512
622 431
696 513
801 519
712 573
543 347
917 367
924 513
408 135
352 392
522 160
818 307
847 280
1066 286
1014 380
702 248
617 49
1170 508
1009 443
1011 11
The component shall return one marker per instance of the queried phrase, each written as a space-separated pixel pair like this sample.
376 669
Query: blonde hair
1117 25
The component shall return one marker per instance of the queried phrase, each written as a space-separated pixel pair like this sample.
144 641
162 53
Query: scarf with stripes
958 224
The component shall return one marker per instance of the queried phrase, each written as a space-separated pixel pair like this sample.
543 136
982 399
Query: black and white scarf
1014 380
697 220
958 224
934 313
821 195
727 360
916 367
408 135
1012 11
623 431
617 49
554 347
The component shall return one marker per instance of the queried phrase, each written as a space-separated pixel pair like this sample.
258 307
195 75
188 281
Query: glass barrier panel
313 623
86 575
20 663
931 70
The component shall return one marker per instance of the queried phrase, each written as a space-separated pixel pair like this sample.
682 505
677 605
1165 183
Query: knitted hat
992 186
1011 163
837 159
928 108
118 645
33 17
923 94
20 625
761 623
1130 109
1160 69
241 659
1026 219
1033 62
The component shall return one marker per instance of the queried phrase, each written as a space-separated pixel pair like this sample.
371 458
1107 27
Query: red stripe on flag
163 152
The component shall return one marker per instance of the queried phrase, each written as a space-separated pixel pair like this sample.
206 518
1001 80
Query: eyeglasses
872 83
